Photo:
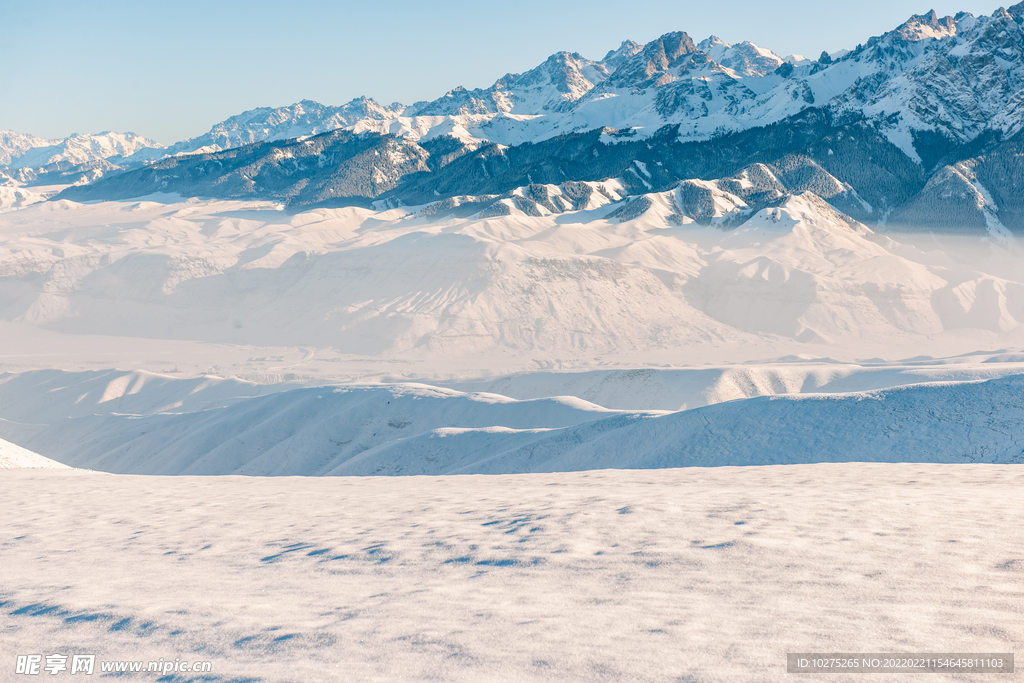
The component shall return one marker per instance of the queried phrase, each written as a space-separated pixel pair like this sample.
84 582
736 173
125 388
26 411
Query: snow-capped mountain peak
569 74
615 57
650 66
13 145
926 26
560 80
29 151
745 59
302 118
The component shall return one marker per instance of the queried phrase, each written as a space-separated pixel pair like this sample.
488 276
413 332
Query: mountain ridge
932 88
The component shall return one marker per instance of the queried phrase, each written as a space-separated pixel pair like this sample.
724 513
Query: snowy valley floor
697 574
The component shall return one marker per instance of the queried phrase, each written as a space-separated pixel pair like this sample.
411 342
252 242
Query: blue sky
170 70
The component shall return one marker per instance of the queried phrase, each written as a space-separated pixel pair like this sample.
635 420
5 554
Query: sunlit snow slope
15 457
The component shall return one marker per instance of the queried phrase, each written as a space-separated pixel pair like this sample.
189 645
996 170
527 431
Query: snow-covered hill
146 424
558 271
16 457
14 197
576 276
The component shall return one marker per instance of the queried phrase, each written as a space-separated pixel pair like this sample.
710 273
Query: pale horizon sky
170 72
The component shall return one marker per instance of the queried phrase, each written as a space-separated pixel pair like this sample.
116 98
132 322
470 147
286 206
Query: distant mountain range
918 128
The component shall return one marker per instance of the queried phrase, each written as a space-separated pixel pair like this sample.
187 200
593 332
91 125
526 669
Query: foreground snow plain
688 574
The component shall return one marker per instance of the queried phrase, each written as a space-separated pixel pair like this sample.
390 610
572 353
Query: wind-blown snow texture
695 574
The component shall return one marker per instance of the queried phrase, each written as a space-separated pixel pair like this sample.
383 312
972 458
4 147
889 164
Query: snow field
693 574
